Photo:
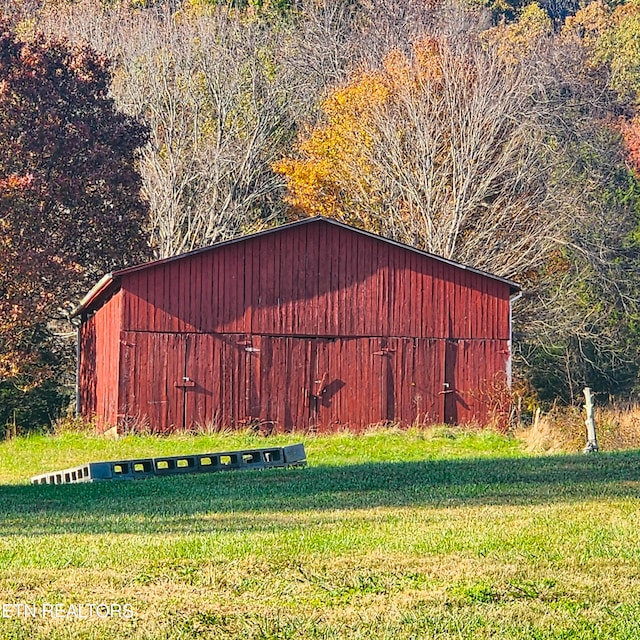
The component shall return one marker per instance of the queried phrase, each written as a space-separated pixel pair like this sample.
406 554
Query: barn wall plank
108 323
323 300
87 369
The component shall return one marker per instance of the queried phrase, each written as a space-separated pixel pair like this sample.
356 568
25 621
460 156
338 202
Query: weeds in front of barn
440 533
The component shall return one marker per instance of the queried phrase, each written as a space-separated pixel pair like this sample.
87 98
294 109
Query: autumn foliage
332 172
335 153
70 207
610 38
431 149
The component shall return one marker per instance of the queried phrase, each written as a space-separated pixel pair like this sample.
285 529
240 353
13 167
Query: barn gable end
313 325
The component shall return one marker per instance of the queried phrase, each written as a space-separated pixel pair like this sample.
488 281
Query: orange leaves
333 170
630 130
14 183
428 58
332 151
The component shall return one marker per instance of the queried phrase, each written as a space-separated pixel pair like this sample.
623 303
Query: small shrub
72 424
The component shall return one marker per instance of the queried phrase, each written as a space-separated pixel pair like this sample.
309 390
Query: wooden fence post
592 441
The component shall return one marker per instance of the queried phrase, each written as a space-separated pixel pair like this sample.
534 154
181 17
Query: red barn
312 325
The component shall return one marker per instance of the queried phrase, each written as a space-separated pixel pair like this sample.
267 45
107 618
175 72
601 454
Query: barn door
152 364
255 355
316 384
352 382
218 383
318 380
190 383
277 383
265 382
476 375
188 371
384 357
449 390
423 380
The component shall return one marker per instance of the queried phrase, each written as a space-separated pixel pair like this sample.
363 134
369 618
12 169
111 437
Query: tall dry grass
563 429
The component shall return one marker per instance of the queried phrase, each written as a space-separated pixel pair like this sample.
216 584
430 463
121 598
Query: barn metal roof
109 282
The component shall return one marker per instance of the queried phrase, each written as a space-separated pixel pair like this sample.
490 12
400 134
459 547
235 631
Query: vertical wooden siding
316 280
285 383
99 364
87 369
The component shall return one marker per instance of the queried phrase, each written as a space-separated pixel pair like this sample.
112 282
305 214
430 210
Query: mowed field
420 534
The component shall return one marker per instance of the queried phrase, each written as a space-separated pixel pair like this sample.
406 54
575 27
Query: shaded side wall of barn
316 280
99 365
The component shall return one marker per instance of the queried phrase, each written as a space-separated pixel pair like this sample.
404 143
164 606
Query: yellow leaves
27 28
332 152
611 39
535 20
333 159
8 366
516 40
195 8
588 24
310 184
620 47
346 106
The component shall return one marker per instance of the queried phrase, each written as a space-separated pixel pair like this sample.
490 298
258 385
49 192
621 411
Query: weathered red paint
99 365
314 325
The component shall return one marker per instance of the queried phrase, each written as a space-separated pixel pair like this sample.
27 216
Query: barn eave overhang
95 294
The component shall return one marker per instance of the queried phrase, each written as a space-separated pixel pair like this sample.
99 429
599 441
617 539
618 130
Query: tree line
502 136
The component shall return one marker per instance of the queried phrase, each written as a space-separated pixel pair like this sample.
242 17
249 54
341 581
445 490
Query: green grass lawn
423 534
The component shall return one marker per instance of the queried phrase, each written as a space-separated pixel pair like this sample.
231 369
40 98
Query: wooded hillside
505 137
